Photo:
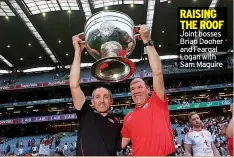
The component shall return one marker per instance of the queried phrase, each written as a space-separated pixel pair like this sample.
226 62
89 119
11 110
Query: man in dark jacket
98 133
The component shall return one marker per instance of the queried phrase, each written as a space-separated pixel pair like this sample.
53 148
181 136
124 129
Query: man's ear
148 89
92 102
111 101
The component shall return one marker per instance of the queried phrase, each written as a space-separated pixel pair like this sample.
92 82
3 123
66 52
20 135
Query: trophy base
113 69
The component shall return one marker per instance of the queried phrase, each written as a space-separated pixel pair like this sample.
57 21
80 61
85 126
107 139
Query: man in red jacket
148 126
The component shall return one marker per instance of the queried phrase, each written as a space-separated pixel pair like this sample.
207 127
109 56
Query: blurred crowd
179 129
196 99
184 102
211 124
6 82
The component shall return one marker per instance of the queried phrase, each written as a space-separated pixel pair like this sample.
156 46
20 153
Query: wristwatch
150 43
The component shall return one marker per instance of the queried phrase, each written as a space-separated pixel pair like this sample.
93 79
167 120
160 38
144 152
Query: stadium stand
179 128
64 143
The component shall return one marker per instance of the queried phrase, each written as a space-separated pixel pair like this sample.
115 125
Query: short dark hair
99 88
144 80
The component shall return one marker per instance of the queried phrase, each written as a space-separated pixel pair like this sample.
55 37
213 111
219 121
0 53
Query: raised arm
155 63
77 94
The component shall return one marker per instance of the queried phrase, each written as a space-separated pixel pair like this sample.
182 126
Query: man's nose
136 91
102 99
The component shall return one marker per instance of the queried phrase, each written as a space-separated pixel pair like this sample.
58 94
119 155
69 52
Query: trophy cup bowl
110 37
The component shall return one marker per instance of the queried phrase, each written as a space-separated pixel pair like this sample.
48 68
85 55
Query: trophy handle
82 37
137 35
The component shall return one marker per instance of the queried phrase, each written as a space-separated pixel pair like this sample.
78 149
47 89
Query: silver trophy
110 37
